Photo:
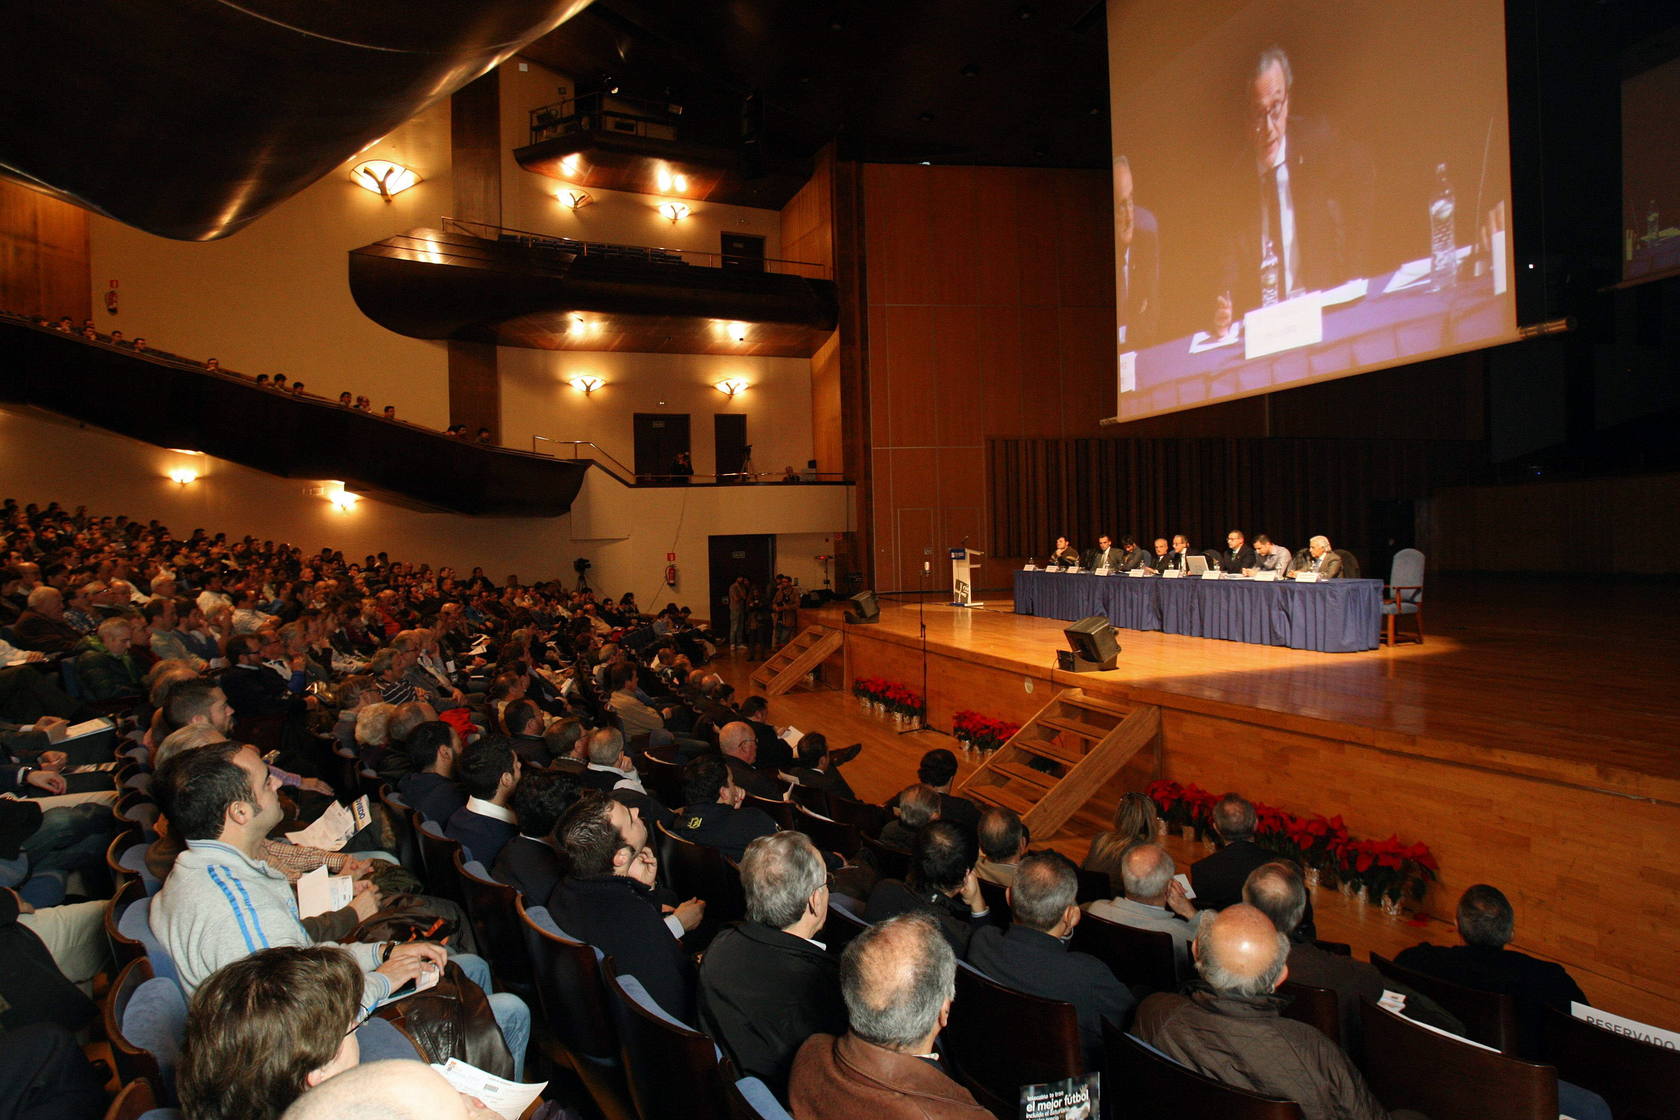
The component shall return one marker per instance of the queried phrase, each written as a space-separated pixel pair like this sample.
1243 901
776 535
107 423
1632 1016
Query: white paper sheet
1202 341
508 1098
320 893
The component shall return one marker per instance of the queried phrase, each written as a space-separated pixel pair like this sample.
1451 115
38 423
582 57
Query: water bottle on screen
1443 247
1269 275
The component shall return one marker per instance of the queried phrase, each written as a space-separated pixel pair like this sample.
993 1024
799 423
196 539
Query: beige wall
275 296
626 532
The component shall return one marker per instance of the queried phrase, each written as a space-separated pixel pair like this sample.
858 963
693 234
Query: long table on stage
1335 616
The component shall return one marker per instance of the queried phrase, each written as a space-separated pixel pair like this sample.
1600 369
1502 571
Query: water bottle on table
1443 246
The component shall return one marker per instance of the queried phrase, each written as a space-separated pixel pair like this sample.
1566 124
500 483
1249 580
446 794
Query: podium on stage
965 570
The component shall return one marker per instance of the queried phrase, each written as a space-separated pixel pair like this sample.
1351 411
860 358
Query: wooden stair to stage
1084 740
788 665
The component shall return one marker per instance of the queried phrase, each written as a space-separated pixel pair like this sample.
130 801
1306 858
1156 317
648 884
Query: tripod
921 621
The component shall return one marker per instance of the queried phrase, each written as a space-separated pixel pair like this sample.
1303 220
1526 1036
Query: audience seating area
367 662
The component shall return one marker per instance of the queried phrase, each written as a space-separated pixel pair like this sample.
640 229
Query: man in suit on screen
1137 262
1301 190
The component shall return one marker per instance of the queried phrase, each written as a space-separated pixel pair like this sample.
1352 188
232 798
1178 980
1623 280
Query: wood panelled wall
989 311
44 257
1289 489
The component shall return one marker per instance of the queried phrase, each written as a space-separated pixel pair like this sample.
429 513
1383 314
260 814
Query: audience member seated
937 770
1230 1029
489 773
393 1090
942 884
42 627
221 902
1218 879
712 812
607 900
898 979
263 1029
525 723
816 768
609 766
1003 841
530 862
1485 960
1278 891
773 751
1032 955
912 809
108 669
430 789
1151 899
1134 823
739 745
766 985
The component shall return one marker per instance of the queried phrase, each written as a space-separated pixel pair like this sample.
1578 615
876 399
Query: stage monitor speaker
1094 648
868 610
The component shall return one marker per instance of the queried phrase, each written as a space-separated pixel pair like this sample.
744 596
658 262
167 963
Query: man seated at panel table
1105 555
1269 557
1065 553
1162 558
1237 557
1318 559
1176 559
1131 556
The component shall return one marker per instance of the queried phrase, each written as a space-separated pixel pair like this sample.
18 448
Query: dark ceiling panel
946 81
190 118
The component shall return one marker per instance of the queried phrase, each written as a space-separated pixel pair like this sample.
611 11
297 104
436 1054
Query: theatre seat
1155 1085
1000 1039
1410 1066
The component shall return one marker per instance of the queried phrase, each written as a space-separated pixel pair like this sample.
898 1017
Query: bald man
739 744
394 1090
1232 1031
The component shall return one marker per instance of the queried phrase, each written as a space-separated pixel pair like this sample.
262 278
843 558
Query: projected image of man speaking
1137 261
1298 204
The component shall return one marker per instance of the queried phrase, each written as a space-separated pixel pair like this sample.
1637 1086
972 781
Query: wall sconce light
731 385
572 198
182 476
383 178
586 385
676 211
344 500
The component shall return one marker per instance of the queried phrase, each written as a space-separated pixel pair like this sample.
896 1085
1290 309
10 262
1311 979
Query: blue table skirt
1335 616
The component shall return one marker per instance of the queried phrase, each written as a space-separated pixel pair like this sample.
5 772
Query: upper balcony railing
604 112
640 254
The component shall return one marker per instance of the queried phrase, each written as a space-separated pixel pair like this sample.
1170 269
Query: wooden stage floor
1531 740
1580 685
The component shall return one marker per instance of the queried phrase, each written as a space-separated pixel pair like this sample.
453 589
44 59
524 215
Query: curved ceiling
191 118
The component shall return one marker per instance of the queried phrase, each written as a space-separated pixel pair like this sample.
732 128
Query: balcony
169 402
480 283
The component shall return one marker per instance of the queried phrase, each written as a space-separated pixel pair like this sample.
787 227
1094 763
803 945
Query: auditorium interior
651 296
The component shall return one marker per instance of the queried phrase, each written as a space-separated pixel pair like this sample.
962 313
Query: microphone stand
921 621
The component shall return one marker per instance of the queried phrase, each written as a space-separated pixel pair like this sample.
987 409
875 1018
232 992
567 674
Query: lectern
965 569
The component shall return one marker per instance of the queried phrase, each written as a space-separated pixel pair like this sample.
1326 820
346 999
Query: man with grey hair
1152 900
898 979
41 626
1277 890
1319 559
1485 960
915 808
1003 843
739 744
1033 957
1217 880
1231 1029
610 767
766 985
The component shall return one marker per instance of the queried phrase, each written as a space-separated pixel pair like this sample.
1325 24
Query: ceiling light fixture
383 178
729 386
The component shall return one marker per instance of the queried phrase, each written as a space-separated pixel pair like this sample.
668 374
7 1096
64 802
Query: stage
1530 741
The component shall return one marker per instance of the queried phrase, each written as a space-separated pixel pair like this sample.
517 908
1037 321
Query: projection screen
1304 190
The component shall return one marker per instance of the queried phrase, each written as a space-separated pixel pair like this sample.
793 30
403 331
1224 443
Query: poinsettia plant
984 732
893 695
1390 869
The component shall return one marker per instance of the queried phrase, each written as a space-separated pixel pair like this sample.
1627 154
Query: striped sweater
218 905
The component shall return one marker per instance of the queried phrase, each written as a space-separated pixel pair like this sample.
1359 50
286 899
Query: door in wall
659 436
742 554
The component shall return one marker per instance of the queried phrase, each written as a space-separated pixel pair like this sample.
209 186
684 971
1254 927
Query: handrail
649 254
631 478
